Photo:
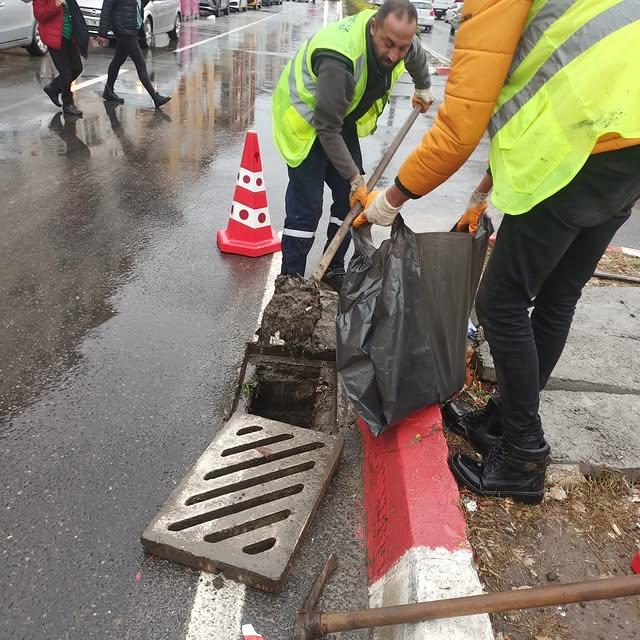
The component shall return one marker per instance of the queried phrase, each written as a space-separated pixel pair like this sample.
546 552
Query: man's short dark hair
399 8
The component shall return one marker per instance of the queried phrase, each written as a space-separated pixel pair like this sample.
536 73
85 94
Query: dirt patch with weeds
592 531
586 528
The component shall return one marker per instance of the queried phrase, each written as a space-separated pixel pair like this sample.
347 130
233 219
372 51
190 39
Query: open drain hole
259 547
246 527
250 482
285 391
257 462
238 507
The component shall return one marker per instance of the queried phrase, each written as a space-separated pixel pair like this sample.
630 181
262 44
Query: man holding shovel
330 94
556 84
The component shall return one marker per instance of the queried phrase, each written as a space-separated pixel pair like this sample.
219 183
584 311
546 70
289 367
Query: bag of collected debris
403 319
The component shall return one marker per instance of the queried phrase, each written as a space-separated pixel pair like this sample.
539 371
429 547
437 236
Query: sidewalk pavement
590 407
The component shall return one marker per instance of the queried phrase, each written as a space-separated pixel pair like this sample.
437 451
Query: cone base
249 249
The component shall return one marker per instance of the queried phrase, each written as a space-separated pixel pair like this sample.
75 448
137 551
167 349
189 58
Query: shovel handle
342 232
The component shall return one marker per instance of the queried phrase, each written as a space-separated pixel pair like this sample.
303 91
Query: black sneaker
111 96
159 100
54 94
508 472
72 110
334 278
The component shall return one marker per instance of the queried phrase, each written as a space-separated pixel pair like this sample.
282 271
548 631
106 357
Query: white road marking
88 83
217 611
226 33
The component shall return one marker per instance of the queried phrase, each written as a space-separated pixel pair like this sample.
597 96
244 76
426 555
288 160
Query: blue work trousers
303 205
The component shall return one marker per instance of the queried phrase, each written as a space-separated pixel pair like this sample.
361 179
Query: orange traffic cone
249 231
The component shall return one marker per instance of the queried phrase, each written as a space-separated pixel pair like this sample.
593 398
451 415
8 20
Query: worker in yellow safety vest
556 83
330 94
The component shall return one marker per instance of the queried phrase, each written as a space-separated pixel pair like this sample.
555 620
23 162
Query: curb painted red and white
416 539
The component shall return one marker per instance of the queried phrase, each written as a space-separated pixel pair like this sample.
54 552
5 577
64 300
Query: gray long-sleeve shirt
336 84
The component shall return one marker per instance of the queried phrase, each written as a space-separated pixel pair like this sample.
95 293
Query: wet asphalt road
122 326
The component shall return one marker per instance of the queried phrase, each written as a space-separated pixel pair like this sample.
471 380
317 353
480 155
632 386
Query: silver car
18 27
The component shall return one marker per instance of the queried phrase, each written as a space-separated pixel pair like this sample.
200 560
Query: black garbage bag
403 319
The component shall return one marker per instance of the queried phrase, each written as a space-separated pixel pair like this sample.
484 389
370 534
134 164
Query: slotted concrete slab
245 505
595 430
599 352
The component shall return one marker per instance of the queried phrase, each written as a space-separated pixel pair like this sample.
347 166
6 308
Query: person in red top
63 29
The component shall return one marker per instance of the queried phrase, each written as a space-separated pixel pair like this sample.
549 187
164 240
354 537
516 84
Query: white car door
160 11
16 21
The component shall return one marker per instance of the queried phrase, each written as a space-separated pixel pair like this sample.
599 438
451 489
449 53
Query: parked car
269 3
160 16
215 7
426 14
18 27
452 17
440 7
254 4
238 5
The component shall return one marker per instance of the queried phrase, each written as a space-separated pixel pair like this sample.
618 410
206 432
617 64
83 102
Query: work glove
477 205
422 98
377 211
358 192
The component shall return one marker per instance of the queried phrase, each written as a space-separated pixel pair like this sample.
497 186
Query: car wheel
428 29
177 25
37 47
149 39
226 11
452 31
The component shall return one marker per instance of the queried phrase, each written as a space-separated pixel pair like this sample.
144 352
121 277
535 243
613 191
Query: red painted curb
411 498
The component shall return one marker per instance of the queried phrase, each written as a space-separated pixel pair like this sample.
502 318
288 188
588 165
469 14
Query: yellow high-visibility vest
575 77
294 99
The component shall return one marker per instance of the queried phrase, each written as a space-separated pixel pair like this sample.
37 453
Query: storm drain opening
245 505
296 391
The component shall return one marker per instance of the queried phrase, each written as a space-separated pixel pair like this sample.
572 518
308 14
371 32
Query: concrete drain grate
246 503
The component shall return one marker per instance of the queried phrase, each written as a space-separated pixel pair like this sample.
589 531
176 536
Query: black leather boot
72 110
334 278
110 95
482 428
508 472
159 100
54 94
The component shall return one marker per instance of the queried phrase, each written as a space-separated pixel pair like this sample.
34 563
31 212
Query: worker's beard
383 62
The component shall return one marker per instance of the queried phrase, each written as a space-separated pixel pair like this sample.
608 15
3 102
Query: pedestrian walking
63 29
330 94
124 18
556 85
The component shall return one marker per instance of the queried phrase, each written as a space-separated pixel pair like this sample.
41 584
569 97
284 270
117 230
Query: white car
160 16
440 7
18 27
238 5
426 14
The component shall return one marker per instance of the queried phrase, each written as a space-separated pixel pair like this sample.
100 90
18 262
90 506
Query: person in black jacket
124 18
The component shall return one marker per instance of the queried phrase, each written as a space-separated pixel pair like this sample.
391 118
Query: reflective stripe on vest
584 38
574 78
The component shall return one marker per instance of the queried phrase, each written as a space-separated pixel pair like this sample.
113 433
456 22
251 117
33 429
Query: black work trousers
69 66
543 259
303 205
129 47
